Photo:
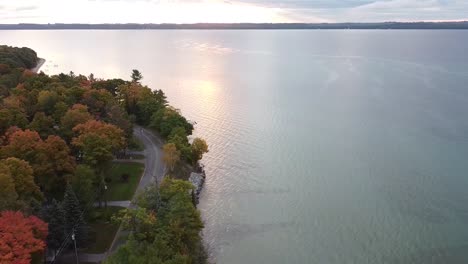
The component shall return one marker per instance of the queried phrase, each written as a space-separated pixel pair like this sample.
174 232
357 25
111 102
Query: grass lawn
117 190
102 230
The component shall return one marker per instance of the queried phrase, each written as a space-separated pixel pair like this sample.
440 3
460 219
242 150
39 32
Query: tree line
58 137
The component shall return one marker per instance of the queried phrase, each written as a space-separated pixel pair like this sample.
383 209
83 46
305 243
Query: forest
58 137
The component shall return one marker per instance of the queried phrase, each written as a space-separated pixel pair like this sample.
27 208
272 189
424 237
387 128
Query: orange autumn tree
98 141
77 114
20 237
50 159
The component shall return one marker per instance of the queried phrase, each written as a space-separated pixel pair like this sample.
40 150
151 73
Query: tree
83 182
22 144
78 114
199 147
136 76
113 134
168 118
60 109
23 180
96 151
54 215
178 136
46 101
8 195
73 215
97 100
138 220
97 142
148 103
179 216
128 96
150 198
20 237
117 116
44 125
175 235
50 159
53 164
170 155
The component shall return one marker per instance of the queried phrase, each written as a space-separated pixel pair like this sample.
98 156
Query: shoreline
40 62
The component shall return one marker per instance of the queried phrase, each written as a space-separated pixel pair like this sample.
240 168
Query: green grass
102 230
117 190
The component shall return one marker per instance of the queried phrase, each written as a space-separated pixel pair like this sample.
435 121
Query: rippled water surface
325 146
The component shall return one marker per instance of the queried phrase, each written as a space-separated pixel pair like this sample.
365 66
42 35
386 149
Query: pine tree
73 216
54 215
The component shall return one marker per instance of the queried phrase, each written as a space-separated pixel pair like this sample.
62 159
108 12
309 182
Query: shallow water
325 146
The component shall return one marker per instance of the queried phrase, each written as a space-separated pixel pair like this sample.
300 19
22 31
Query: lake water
325 146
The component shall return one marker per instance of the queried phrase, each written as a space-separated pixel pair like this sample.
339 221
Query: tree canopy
59 133
20 237
15 57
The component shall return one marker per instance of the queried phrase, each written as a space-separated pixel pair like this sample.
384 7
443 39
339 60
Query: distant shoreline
241 26
40 62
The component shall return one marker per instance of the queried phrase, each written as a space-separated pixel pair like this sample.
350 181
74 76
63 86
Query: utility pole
74 242
105 196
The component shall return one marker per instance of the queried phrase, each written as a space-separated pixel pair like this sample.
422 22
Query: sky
229 11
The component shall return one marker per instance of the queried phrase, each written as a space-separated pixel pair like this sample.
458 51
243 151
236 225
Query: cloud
313 4
188 11
26 8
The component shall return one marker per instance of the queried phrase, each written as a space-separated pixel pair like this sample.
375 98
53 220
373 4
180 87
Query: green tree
199 147
46 101
23 179
43 124
140 221
148 103
136 76
8 195
83 182
168 118
178 136
73 216
54 215
150 198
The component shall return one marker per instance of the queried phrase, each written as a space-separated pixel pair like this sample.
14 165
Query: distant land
381 25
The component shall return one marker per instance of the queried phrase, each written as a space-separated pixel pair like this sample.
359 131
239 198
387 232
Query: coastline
39 64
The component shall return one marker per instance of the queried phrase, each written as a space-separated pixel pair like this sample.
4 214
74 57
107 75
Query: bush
124 177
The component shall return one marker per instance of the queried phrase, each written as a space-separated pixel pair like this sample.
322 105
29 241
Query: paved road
154 168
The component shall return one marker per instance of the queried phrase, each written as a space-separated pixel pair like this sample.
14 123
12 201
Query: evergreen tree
73 216
54 215
136 76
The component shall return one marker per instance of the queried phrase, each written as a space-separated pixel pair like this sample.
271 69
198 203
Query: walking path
116 203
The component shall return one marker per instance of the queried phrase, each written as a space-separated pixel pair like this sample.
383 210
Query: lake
341 146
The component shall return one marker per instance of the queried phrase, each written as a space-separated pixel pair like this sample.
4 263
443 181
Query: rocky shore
197 179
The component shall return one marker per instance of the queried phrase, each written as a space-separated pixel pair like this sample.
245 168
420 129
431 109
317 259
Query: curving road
154 168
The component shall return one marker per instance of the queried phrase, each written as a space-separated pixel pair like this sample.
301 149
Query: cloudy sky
193 11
